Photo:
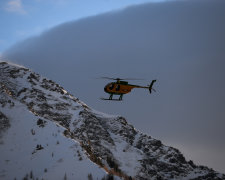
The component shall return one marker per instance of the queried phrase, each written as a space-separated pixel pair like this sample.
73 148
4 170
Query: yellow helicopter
121 87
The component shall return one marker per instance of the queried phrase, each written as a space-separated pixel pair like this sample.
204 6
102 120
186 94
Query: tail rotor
150 86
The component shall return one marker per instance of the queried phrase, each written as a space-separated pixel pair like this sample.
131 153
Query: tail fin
150 86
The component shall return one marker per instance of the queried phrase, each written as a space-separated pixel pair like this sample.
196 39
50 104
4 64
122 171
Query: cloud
15 6
25 33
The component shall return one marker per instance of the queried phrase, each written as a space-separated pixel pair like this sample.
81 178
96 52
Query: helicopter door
118 87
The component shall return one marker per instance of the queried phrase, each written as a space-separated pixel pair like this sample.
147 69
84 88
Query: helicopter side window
117 87
111 86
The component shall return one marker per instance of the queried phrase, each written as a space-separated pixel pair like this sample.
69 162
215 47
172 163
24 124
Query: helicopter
121 87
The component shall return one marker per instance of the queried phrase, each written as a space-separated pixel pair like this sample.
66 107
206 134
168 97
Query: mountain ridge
109 141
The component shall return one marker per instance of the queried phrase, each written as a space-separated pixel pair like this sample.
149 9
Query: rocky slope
48 133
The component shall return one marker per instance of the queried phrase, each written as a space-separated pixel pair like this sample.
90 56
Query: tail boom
147 87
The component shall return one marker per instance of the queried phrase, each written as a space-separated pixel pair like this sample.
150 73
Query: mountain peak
41 107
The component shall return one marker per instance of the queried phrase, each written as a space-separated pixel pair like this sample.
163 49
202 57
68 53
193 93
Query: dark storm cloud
182 44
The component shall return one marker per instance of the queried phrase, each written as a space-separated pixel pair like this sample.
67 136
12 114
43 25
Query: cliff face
42 123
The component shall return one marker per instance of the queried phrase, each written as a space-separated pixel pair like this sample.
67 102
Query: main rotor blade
118 79
109 78
136 79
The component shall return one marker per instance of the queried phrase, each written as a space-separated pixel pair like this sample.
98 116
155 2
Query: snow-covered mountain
45 132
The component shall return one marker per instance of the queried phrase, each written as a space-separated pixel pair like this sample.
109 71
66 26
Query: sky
179 43
20 19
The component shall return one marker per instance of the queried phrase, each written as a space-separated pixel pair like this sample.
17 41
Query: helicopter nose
105 88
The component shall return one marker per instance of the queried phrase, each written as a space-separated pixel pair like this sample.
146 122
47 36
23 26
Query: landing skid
111 99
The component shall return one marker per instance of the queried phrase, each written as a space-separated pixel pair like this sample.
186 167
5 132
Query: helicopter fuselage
120 87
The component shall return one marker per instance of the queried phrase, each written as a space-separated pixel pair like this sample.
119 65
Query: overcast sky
20 19
180 43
